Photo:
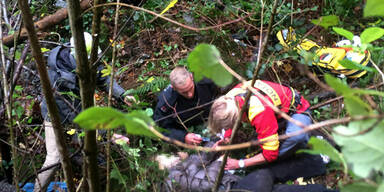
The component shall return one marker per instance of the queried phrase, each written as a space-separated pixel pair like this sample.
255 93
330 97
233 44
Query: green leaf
321 146
337 85
364 152
368 92
358 187
116 174
371 34
381 187
374 8
326 21
347 34
106 71
136 122
203 61
354 65
356 106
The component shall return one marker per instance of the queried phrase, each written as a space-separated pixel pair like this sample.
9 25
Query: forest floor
154 51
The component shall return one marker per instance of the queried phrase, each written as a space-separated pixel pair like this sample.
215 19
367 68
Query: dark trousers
301 165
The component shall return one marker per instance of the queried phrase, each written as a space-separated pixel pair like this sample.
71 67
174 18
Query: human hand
232 164
192 138
220 142
128 99
120 139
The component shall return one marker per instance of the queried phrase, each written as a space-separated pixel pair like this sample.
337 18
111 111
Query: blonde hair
178 76
223 114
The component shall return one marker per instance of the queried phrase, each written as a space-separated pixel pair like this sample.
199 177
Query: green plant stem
110 92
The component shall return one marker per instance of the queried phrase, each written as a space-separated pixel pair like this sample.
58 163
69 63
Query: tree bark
87 81
47 90
44 23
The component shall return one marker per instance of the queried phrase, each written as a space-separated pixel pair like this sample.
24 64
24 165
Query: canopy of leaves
365 151
135 122
203 61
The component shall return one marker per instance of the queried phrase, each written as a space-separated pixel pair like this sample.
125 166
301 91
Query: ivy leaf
374 8
364 152
136 122
204 62
347 34
358 187
326 21
371 34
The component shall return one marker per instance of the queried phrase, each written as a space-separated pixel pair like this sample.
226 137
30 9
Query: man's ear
191 75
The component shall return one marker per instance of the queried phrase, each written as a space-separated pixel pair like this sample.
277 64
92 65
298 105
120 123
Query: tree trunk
87 81
44 23
47 90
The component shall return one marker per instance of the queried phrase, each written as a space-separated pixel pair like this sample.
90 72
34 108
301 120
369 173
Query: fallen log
44 23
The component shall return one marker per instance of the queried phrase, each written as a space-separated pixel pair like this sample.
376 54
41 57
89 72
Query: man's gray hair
178 76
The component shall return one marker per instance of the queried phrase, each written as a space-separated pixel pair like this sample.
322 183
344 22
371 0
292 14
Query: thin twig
378 69
172 21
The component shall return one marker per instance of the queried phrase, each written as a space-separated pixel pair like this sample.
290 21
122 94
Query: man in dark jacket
61 71
184 103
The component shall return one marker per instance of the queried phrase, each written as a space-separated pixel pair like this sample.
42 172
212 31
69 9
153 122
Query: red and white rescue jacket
262 117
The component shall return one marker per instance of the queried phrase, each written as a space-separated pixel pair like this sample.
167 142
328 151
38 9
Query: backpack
61 71
198 173
61 67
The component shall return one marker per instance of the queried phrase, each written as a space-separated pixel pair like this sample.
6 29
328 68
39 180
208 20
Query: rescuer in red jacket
225 110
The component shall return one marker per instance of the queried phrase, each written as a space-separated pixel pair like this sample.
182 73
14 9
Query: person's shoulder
168 95
206 82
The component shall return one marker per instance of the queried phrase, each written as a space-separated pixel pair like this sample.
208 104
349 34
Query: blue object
52 187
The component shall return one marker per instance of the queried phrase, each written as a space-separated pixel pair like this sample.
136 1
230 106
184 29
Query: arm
266 127
255 160
162 110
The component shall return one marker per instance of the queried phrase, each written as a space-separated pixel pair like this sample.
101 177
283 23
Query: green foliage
371 34
155 85
321 146
354 105
347 34
326 21
358 187
204 61
374 8
135 122
116 174
364 151
353 65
